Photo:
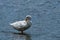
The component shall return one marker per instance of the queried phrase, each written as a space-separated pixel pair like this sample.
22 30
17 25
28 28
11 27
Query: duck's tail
11 23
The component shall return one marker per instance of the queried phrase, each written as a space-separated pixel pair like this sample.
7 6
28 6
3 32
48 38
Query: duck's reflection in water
18 36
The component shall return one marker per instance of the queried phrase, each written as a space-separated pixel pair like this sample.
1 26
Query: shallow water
45 19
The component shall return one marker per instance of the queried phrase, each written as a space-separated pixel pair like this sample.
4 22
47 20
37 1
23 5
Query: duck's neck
27 20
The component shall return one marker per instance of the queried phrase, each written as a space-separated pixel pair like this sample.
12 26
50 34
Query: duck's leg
22 32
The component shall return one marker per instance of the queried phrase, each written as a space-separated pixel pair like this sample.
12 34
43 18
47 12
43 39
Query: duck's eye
29 18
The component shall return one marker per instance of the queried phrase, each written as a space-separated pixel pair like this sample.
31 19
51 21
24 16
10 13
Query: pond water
45 19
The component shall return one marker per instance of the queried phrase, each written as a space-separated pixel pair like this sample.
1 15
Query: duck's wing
19 24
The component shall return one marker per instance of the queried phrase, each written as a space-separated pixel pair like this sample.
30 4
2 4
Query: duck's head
28 17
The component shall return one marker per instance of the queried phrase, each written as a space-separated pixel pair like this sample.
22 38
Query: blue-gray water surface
45 19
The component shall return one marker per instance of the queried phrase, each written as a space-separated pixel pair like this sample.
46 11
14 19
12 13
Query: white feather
21 24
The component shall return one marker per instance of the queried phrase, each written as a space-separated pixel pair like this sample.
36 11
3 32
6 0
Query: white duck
22 25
